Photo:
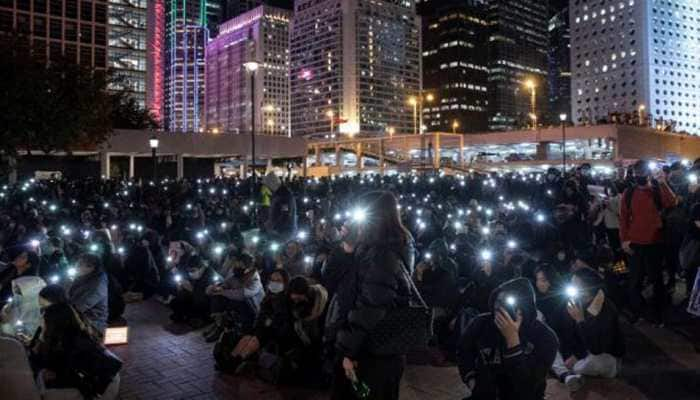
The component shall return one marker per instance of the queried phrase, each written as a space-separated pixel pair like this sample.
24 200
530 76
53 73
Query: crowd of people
316 282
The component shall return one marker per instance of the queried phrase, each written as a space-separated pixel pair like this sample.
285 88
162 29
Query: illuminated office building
260 35
185 39
559 61
518 47
455 72
354 66
70 29
640 58
127 43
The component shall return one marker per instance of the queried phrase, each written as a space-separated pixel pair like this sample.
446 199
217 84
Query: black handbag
93 365
403 329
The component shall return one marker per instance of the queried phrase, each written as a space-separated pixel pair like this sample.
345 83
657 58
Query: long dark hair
61 325
384 226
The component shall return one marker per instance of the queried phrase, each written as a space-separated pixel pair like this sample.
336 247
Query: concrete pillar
317 152
244 167
460 156
359 166
589 152
305 164
381 157
180 166
12 174
104 164
436 152
542 151
337 157
268 169
131 167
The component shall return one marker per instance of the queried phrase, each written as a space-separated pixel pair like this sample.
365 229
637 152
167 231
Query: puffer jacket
380 285
492 371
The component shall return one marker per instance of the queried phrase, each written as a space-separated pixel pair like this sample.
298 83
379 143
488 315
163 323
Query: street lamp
533 117
530 84
153 143
641 114
455 125
563 118
252 67
391 131
413 101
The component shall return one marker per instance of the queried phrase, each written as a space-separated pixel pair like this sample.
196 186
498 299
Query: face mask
551 177
196 274
275 287
561 256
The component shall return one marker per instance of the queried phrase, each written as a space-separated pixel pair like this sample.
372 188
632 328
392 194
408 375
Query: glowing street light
530 84
455 125
252 67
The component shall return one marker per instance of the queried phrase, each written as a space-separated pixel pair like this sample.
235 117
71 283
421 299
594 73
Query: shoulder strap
410 280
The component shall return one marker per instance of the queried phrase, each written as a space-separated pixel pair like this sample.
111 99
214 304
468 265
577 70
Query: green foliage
59 106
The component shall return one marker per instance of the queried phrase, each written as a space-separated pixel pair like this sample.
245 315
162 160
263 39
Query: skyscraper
127 43
354 65
260 35
70 29
455 71
185 36
518 47
559 62
639 58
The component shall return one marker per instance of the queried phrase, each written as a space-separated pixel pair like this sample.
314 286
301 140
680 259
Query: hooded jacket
438 285
283 213
492 371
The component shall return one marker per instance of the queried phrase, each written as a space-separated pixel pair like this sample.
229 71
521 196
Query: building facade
260 35
455 72
518 47
185 37
70 29
354 66
127 45
559 63
640 59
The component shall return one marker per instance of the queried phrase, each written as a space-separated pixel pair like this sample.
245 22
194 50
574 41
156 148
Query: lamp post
413 101
642 107
562 118
252 67
530 84
331 116
455 125
153 143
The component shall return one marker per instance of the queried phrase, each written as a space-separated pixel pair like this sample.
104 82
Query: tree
59 106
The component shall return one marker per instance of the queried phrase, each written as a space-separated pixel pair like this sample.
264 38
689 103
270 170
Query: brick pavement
165 361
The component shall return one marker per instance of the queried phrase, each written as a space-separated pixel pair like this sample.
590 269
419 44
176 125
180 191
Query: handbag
93 365
403 329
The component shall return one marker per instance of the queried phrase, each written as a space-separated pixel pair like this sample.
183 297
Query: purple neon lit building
261 35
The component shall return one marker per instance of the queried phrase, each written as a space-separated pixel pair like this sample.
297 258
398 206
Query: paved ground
165 361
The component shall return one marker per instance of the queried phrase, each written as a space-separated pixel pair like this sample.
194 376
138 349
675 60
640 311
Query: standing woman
382 248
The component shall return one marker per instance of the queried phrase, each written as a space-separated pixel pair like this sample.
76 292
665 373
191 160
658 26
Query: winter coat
283 213
89 295
274 321
380 286
601 333
492 371
250 290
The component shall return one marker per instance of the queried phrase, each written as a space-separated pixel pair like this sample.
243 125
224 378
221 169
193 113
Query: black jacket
283 212
492 371
380 286
601 333
274 321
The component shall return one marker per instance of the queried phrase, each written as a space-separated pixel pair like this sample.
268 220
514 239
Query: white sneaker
573 382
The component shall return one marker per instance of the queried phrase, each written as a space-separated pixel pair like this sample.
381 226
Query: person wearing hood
597 324
436 277
88 293
25 263
505 354
241 292
282 219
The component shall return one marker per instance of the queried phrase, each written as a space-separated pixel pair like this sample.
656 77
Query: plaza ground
167 361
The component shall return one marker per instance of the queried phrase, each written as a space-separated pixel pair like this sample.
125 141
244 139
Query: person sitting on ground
241 293
88 293
25 263
505 354
292 260
597 324
551 303
191 303
57 351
